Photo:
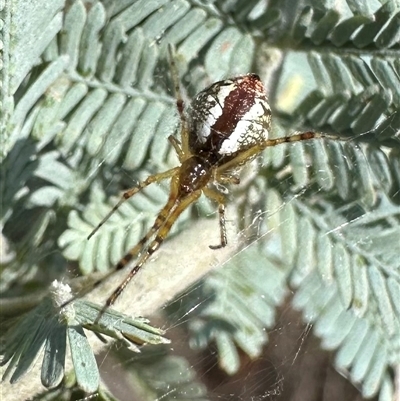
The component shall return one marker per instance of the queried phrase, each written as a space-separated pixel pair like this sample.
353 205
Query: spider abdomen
228 117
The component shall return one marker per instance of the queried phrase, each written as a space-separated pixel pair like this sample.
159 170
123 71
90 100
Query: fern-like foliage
237 303
87 105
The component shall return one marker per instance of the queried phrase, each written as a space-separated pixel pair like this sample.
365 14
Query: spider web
283 359
264 376
282 362
291 361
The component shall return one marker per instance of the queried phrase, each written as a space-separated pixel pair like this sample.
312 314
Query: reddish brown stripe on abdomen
235 106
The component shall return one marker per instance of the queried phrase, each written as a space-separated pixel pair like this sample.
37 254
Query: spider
226 125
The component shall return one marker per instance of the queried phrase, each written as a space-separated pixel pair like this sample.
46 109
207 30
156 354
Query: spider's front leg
132 191
248 154
220 199
162 226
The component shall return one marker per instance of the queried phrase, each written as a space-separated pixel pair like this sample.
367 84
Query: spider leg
179 103
132 191
177 146
248 154
174 209
232 178
133 252
175 79
220 199
240 159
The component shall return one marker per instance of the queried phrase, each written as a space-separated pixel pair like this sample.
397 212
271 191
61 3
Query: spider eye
229 116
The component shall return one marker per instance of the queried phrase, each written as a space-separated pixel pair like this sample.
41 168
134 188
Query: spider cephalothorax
226 125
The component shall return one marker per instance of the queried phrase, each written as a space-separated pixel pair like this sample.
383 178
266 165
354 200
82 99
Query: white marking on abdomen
242 136
214 112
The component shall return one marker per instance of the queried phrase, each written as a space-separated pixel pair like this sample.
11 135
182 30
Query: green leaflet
87 105
47 327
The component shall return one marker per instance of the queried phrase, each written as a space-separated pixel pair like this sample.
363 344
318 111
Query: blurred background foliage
87 106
